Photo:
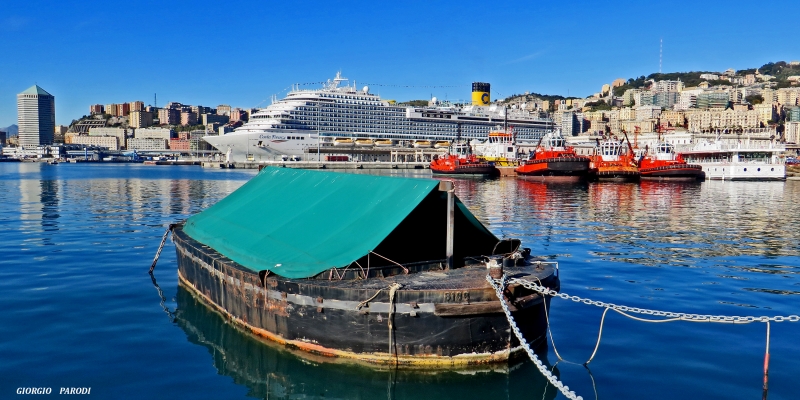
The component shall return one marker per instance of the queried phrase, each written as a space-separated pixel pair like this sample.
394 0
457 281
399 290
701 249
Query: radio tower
155 99
660 53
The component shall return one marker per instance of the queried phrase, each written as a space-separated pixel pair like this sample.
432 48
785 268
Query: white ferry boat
306 120
738 158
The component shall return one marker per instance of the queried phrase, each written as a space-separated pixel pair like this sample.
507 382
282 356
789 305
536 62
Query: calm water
80 310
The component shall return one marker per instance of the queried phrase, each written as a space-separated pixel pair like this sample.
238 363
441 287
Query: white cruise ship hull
346 116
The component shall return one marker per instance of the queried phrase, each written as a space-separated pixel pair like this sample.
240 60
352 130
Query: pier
318 164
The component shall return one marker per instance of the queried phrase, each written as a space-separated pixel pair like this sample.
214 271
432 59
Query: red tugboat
666 164
462 164
555 160
612 163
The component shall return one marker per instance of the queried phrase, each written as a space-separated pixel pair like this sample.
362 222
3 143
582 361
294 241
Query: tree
754 99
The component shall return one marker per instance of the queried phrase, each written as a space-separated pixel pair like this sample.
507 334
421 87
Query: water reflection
271 372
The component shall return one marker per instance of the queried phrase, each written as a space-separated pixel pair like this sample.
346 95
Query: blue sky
241 53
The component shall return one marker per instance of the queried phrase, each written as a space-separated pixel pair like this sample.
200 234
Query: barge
379 270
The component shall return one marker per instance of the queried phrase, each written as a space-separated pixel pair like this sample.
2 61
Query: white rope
498 288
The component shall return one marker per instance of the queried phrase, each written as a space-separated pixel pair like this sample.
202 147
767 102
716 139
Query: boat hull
469 169
433 326
682 172
556 167
612 175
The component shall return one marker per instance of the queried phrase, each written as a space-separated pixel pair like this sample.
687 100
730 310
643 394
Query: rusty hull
442 318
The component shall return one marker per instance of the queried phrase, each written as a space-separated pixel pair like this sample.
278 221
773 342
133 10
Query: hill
10 131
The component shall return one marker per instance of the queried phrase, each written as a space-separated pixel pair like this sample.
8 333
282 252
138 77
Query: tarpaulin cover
299 223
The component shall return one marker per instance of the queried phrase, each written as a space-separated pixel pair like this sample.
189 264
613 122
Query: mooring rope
625 311
161 247
498 288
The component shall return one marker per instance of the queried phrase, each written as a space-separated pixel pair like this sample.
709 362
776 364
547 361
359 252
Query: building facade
36 117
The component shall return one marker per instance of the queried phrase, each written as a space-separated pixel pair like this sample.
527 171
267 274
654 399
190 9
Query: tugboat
555 160
369 285
612 162
453 164
664 163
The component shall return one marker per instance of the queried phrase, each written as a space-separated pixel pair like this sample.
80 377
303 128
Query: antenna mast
155 100
660 53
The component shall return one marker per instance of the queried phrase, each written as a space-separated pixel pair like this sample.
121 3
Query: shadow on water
271 372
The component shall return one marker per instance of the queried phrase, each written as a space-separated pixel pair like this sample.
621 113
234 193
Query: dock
331 165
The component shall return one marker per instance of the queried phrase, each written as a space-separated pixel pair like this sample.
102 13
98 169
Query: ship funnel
480 94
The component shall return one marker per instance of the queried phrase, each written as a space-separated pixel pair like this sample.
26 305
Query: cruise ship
341 115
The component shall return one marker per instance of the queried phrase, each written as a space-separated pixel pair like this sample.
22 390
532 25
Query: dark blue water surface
80 310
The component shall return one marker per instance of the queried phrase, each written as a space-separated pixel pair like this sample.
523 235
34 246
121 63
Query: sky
242 53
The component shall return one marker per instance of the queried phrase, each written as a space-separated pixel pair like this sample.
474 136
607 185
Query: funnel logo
485 98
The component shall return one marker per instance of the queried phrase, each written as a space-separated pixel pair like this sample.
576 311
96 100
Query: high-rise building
136 106
96 109
36 116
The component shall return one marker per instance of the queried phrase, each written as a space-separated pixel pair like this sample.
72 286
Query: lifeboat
343 142
383 142
452 164
665 164
611 162
553 159
364 142
440 144
422 143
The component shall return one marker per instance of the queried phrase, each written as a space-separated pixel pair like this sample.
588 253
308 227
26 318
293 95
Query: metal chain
499 286
657 313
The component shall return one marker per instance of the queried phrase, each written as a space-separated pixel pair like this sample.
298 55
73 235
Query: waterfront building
149 144
169 116
705 120
108 142
154 133
119 133
96 109
36 117
627 113
181 144
140 119
111 109
136 106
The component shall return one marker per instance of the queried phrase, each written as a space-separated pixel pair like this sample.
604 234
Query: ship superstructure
310 119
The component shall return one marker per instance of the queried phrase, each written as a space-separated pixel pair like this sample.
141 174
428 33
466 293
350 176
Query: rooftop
35 89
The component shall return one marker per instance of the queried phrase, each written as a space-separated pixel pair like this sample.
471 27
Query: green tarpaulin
299 223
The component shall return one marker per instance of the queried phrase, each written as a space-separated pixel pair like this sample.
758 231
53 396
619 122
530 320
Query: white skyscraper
36 116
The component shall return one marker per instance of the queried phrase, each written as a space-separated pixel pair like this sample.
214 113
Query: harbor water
79 309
